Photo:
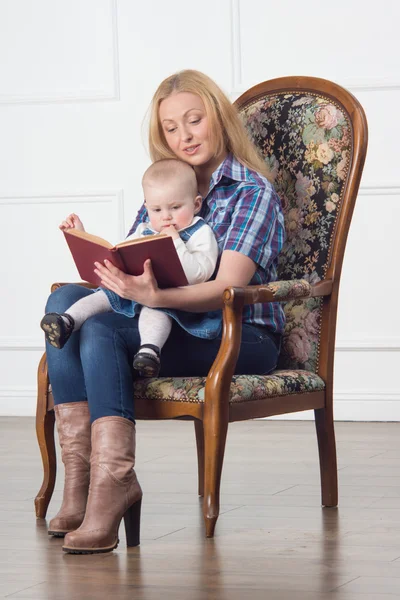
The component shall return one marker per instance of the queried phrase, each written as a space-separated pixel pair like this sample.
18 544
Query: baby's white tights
154 327
86 307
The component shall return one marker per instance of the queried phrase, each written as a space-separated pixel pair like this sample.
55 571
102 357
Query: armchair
313 135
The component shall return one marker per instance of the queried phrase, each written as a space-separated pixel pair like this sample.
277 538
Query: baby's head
170 193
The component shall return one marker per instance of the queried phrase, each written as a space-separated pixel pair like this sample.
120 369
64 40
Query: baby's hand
171 231
72 222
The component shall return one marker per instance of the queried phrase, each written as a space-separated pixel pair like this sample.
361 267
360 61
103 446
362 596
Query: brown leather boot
114 490
73 426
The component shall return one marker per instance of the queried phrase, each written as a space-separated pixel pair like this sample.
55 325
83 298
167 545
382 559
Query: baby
172 202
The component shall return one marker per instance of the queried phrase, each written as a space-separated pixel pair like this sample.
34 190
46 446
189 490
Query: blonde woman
92 379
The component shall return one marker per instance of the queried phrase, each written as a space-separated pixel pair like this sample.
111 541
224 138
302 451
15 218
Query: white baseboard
17 401
353 410
366 344
348 406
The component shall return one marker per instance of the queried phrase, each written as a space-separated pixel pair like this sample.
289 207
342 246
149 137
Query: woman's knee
106 335
63 297
97 335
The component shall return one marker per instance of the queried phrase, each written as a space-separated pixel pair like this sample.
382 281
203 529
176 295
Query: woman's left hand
142 288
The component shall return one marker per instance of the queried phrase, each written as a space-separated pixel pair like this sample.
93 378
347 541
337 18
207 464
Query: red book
86 249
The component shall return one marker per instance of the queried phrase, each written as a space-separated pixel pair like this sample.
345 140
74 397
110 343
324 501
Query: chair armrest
90 286
282 291
220 375
218 382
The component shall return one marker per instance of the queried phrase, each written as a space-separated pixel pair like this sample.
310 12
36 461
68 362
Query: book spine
119 260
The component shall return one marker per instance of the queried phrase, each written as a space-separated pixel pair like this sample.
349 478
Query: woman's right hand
72 222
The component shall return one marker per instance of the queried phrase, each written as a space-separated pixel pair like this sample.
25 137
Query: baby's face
170 205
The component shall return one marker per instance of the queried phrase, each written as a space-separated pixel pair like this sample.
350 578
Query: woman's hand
142 288
72 222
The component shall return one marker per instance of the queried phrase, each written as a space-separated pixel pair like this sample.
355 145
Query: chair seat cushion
243 387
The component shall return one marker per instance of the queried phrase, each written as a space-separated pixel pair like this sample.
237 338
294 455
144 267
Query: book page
146 238
160 249
88 236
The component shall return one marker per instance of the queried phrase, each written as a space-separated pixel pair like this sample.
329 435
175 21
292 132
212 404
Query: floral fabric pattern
289 289
306 142
243 387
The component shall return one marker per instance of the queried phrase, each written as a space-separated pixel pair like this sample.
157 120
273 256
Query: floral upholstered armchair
313 135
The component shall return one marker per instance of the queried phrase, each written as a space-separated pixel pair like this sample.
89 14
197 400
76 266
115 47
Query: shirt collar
194 221
230 168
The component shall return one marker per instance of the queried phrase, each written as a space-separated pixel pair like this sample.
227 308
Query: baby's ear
197 204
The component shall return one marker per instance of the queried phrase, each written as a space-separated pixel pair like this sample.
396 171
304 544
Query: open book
128 256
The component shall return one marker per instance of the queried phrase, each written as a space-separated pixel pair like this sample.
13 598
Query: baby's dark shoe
58 328
146 363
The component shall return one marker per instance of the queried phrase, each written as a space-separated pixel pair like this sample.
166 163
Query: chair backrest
313 136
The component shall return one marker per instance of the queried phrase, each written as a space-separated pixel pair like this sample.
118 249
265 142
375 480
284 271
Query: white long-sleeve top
198 255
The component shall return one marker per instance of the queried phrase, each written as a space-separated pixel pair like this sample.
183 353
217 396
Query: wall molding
367 396
236 45
389 344
112 96
15 391
372 85
64 196
17 401
358 405
21 344
379 190
364 84
239 89
113 197
116 67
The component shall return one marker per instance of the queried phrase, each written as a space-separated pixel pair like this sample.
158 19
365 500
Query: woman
91 377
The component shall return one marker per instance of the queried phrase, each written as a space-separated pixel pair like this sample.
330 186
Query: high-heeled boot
73 426
114 490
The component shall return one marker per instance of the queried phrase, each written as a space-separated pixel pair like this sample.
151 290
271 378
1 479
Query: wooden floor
273 540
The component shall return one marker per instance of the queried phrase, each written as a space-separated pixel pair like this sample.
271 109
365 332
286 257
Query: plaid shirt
245 213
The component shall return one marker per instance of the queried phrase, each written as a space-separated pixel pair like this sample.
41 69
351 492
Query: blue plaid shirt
245 213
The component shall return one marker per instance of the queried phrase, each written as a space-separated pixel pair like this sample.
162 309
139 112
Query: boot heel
132 524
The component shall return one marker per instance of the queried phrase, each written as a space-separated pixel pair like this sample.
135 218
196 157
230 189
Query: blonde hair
171 170
226 129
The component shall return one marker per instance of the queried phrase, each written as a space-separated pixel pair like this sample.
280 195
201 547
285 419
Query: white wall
76 79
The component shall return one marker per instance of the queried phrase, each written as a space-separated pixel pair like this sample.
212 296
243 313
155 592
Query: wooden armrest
90 286
220 375
282 291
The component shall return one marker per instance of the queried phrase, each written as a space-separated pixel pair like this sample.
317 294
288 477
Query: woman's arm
244 247
235 269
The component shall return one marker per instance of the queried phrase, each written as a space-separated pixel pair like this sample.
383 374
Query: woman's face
186 129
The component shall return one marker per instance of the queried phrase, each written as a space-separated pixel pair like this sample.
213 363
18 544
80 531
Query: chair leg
327 455
45 436
199 430
214 449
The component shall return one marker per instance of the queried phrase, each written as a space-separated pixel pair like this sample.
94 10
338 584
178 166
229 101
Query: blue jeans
96 362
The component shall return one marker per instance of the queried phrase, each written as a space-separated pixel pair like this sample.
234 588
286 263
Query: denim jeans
96 362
